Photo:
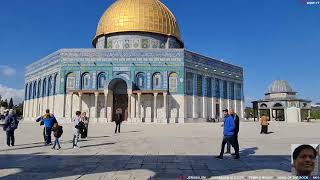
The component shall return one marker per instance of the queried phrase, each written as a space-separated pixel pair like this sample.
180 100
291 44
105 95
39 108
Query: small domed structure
279 86
279 103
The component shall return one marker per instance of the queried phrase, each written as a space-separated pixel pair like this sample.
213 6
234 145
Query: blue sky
270 39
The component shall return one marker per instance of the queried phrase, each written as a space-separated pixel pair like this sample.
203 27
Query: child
57 132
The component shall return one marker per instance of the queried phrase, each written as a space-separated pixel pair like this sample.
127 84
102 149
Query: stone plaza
153 151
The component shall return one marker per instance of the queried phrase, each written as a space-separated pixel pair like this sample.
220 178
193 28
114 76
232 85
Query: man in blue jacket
229 132
48 120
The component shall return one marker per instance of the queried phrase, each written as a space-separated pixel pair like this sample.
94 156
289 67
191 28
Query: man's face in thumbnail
304 163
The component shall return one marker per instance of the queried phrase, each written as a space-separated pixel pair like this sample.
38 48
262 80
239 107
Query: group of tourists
81 123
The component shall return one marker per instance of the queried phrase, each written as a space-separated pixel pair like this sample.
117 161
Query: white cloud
16 94
7 71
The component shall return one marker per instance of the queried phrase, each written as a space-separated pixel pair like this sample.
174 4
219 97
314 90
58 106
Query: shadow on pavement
162 166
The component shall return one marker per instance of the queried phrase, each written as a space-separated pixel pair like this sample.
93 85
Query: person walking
85 120
118 120
49 120
228 134
237 128
76 130
237 123
10 125
57 132
264 124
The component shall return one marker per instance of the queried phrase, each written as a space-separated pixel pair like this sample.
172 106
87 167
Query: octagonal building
138 67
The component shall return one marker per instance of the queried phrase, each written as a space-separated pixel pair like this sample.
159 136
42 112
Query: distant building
281 104
316 105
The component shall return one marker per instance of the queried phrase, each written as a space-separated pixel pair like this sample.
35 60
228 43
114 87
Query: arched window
70 83
50 86
44 87
101 80
34 90
217 88
156 81
277 105
189 83
232 90
30 91
239 92
26 92
225 90
173 82
263 105
140 80
199 85
39 88
85 82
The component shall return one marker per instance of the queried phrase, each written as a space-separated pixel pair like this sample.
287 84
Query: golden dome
138 16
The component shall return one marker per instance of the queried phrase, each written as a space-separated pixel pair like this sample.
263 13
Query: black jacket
237 123
57 131
118 118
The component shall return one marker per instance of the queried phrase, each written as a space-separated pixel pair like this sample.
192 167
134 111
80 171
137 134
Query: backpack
13 124
59 131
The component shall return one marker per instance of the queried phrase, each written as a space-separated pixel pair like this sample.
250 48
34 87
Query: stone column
37 109
48 106
165 106
129 107
204 98
96 95
80 101
71 104
133 107
139 106
106 105
194 98
155 117
53 101
64 106
271 119
42 105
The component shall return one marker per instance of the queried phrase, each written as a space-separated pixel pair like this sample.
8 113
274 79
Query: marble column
106 105
53 102
64 106
80 101
194 96
270 118
139 106
155 117
71 104
204 98
42 105
129 107
96 95
165 106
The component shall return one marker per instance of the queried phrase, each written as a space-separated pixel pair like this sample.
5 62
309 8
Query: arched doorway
278 112
119 90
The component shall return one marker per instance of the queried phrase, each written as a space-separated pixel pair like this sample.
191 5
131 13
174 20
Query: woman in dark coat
118 118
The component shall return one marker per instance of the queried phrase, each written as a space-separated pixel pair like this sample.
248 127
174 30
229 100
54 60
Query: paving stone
184 149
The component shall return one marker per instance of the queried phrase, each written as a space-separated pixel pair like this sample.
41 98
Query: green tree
19 109
11 103
315 114
4 103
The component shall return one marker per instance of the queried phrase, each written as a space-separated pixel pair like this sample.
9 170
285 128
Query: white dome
279 86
